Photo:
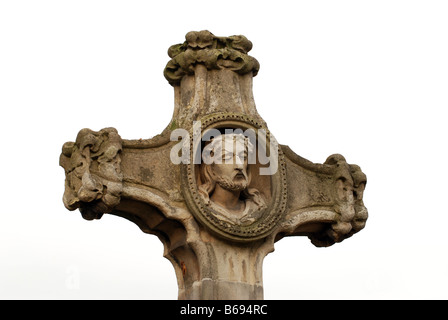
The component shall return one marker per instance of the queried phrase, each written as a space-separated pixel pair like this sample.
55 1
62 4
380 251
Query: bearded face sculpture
226 180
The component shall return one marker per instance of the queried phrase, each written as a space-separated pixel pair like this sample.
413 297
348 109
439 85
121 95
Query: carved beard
228 184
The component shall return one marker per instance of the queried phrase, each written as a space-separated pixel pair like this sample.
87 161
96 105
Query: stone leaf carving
349 184
214 52
93 173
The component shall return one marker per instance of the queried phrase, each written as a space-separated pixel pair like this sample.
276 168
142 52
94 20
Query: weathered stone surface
215 53
215 233
93 171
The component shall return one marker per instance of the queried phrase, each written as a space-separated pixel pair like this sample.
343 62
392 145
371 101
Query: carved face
231 173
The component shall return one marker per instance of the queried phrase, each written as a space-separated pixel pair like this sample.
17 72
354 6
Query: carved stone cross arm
325 200
217 218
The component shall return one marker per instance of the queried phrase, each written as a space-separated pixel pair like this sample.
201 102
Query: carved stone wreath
205 214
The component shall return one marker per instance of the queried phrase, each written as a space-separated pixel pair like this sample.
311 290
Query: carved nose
238 162
238 165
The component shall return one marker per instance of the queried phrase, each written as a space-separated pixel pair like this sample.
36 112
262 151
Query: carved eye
227 156
242 155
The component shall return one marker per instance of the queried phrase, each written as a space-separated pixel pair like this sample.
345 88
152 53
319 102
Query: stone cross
215 186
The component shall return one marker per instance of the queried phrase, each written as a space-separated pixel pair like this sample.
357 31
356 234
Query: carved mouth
240 175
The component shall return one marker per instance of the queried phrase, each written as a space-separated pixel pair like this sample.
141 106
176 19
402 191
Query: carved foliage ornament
214 52
93 174
348 187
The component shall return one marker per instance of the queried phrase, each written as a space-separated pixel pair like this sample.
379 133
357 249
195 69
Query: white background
367 79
